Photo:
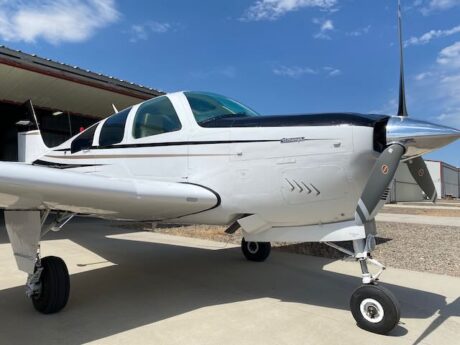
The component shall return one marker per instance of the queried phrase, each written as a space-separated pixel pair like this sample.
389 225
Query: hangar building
64 98
446 179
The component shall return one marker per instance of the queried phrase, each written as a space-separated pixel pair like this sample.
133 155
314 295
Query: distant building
64 98
446 179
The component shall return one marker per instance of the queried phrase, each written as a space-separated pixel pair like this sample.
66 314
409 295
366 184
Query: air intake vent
380 135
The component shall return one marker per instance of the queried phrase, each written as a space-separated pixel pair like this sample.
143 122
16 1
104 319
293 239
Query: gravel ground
416 247
423 212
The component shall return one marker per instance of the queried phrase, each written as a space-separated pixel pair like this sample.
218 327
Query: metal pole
70 124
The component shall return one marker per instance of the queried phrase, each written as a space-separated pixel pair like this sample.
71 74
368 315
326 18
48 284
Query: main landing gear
48 283
256 251
49 286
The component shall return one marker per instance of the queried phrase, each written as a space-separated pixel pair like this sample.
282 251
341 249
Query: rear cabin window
113 129
154 117
84 141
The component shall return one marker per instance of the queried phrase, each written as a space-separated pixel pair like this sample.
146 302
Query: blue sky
278 56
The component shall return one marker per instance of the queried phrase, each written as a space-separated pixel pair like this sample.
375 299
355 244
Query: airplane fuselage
289 170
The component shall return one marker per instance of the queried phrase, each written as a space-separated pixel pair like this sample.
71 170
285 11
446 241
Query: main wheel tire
54 286
256 251
375 309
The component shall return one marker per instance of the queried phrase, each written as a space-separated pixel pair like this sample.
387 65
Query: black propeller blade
381 176
417 166
402 110
421 175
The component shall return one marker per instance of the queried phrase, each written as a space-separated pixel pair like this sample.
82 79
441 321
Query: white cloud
297 72
430 35
435 94
326 25
450 56
359 32
332 72
273 9
437 5
437 91
423 76
450 117
141 32
55 21
293 71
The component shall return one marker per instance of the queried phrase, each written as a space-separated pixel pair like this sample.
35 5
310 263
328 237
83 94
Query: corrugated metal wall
404 187
445 178
450 181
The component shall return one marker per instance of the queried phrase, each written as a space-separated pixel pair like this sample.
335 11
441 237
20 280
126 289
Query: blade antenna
402 110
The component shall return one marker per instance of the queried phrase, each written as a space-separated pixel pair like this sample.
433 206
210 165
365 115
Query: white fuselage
288 176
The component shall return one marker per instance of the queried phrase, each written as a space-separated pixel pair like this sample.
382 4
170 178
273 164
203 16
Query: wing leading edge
27 187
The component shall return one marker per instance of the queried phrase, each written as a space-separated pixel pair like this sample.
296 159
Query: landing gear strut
374 307
48 283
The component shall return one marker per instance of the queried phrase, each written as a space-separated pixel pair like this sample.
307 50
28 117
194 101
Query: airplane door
157 145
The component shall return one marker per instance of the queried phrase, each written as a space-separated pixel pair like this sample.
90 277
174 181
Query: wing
24 186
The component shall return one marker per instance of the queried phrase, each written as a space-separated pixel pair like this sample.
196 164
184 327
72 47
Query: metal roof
55 85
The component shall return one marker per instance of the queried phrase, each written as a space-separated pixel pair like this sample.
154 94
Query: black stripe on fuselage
301 120
218 197
62 165
177 143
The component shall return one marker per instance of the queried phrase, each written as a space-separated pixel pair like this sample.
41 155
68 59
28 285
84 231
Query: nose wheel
256 251
375 308
49 286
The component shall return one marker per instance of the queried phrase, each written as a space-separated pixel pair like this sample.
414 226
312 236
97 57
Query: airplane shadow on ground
152 282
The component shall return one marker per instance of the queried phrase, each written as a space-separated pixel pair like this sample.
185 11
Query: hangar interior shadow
152 282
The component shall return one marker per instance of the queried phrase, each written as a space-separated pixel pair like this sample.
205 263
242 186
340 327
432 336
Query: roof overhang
61 87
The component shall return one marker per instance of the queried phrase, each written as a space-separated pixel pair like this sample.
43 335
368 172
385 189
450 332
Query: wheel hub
253 247
372 310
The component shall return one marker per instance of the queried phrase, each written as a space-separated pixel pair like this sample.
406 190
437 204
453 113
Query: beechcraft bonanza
201 158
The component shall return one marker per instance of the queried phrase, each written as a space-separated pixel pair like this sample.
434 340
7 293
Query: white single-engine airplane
201 158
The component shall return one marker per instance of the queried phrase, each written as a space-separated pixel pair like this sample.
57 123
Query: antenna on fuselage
114 108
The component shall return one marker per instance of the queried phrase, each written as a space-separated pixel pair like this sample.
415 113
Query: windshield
210 106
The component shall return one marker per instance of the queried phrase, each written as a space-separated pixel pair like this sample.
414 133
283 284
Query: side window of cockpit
113 129
84 141
155 117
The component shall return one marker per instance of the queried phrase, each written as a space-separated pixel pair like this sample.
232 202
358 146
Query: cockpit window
84 141
155 117
113 129
208 107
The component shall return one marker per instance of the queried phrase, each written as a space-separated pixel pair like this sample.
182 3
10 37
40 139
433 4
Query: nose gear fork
362 252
